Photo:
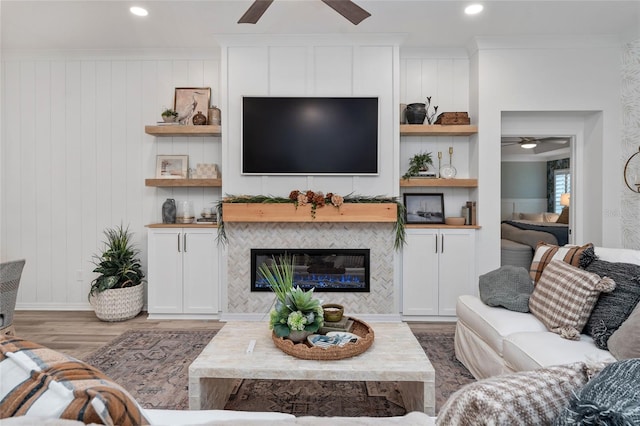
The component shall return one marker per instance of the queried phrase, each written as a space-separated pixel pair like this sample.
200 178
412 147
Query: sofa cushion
545 253
618 255
37 381
508 286
530 350
492 324
565 296
534 217
524 398
625 342
610 398
613 308
564 216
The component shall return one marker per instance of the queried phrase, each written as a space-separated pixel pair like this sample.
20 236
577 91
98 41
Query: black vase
169 211
416 113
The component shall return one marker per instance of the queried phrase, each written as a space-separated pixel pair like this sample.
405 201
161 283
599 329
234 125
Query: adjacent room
300 211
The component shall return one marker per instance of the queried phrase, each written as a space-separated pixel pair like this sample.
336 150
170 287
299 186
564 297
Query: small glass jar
185 212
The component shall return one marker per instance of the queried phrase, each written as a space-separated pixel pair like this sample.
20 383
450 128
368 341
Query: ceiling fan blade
547 147
354 13
558 140
255 11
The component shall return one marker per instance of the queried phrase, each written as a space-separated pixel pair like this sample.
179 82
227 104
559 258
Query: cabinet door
420 272
164 276
200 276
457 268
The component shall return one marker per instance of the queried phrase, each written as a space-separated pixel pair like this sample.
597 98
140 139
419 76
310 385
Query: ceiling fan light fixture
528 144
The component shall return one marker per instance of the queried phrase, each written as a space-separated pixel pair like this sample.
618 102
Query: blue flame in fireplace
322 269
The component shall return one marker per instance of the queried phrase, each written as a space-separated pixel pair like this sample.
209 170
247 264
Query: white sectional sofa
493 340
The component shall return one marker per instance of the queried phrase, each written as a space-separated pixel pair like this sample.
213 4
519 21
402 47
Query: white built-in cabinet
438 265
183 271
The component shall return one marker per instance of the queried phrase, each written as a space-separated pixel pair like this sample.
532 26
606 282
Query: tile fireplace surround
378 237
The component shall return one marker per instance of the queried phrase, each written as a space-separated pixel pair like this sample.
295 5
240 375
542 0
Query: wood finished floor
80 333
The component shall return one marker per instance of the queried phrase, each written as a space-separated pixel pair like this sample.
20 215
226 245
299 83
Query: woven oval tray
305 351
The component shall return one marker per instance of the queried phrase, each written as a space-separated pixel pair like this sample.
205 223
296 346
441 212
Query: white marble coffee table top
395 355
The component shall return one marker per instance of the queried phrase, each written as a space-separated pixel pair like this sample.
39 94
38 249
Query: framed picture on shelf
188 101
424 208
172 166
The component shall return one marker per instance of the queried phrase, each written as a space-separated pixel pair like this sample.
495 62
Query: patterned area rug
154 366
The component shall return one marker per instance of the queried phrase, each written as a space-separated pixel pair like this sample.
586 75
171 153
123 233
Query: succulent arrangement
294 309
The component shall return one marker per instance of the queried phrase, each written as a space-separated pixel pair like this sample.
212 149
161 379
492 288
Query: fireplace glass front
322 269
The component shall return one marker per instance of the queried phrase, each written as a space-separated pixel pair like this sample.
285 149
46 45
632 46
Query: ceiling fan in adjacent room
354 13
537 145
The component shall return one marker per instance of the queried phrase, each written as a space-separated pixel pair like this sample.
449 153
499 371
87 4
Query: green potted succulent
117 292
296 313
418 165
169 115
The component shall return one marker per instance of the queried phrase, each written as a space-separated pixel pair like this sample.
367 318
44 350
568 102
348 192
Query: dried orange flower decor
316 199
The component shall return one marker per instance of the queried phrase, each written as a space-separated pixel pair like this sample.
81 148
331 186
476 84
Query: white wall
75 156
580 76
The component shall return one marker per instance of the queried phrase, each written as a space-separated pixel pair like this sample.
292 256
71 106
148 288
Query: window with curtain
561 185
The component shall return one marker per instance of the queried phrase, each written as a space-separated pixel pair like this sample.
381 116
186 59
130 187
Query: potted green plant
418 165
296 313
169 115
117 292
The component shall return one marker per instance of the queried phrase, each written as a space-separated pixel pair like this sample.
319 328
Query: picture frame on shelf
424 208
172 166
188 101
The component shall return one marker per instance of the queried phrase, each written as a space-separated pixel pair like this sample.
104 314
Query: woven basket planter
118 304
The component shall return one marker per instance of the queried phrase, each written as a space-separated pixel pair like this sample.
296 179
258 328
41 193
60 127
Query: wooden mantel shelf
288 212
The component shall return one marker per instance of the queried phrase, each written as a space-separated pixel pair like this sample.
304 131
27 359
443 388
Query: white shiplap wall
75 156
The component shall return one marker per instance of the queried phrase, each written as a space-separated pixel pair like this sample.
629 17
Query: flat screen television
309 135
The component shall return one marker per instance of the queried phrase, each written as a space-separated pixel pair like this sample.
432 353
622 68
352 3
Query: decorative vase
169 211
199 119
169 118
416 113
298 336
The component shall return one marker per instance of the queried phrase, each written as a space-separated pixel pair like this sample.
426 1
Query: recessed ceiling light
138 11
473 9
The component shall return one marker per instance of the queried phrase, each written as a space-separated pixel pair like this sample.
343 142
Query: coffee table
394 356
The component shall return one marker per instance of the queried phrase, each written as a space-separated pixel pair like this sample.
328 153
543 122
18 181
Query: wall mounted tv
310 135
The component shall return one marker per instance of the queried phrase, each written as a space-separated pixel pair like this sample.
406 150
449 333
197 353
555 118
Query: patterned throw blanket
560 232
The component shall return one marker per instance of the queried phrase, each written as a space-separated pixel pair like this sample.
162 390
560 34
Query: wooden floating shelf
437 130
431 182
288 212
183 182
183 130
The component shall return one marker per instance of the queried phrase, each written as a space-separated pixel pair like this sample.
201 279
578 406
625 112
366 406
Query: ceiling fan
537 145
354 13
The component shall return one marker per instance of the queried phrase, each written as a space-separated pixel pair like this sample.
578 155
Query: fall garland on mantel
316 200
